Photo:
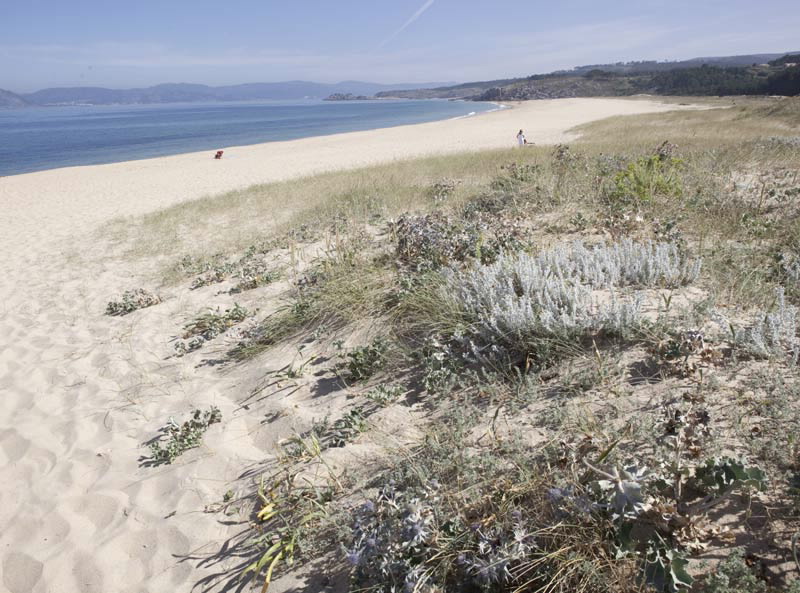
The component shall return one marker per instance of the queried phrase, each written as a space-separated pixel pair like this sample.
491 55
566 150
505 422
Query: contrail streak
413 18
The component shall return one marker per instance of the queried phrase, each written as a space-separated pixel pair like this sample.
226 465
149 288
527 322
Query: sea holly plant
719 477
665 567
621 490
657 515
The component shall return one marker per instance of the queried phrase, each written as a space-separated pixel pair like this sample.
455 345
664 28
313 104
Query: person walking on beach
521 138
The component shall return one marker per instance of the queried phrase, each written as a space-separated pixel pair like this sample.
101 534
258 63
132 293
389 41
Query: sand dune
80 392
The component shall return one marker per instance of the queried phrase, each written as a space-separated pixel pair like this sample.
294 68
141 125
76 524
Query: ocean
40 138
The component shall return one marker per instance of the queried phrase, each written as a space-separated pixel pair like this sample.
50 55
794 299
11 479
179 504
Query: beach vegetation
208 325
566 369
132 300
362 362
178 438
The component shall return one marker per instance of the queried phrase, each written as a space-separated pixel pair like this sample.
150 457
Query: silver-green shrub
773 334
621 264
555 294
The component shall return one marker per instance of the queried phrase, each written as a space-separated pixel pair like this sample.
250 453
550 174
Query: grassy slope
501 433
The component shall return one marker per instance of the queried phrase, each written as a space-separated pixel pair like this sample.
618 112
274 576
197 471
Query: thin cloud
413 18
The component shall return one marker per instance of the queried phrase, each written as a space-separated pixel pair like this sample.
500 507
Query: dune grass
234 220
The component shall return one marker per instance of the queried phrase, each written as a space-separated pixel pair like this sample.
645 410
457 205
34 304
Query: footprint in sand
21 572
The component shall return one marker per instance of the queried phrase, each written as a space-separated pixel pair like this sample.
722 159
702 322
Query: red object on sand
218 155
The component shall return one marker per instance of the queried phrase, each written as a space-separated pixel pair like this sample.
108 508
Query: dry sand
80 392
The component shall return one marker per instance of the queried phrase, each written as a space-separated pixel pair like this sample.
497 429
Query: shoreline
546 122
52 205
490 106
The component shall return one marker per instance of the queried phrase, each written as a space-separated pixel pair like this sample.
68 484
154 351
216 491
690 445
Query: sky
124 43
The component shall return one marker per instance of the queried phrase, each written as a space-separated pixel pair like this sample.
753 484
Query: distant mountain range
178 93
10 100
621 78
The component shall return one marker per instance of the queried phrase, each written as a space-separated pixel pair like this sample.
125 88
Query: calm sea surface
34 139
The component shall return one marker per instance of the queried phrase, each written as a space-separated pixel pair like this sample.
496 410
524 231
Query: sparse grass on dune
600 406
231 221
727 125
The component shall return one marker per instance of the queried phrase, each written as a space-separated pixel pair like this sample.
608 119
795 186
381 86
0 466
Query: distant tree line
787 59
713 80
708 80
781 77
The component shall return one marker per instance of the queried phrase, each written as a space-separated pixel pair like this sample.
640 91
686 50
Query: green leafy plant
131 301
665 567
250 279
364 361
384 395
207 326
182 437
440 367
326 435
647 177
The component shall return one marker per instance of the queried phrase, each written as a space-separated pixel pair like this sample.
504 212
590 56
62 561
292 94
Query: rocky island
346 97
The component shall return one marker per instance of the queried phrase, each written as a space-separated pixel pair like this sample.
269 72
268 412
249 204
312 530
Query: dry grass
231 221
730 125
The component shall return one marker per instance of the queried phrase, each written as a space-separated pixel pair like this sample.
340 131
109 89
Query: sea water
39 138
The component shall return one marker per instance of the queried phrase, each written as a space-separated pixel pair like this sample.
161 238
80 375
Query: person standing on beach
521 138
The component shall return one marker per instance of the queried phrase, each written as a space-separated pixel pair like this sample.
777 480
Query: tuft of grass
333 294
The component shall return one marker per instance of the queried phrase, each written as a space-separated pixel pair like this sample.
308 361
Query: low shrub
733 575
209 325
646 178
182 437
523 304
364 361
131 301
432 241
443 189
773 334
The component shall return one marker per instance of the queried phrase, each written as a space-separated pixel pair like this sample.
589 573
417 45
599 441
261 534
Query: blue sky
125 43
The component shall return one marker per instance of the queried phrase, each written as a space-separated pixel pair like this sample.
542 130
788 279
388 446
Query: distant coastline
198 93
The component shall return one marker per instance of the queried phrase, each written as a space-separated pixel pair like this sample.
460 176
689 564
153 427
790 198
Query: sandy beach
80 392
